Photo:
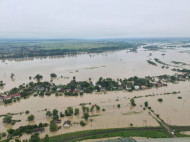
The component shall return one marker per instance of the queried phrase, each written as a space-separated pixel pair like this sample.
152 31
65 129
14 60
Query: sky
94 18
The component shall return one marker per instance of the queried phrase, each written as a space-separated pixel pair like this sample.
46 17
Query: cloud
94 18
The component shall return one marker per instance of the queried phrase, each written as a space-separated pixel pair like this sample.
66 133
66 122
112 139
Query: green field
94 134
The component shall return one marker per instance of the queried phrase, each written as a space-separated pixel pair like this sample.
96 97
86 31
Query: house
15 95
144 87
58 89
57 121
102 89
129 88
75 91
159 84
67 123
81 91
137 87
36 130
68 90
120 87
1 99
7 97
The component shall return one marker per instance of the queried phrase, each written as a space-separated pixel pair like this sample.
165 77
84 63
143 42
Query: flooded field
119 64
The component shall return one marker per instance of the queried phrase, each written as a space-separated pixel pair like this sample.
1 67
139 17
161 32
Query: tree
55 112
12 75
86 115
160 100
1 83
48 113
31 117
53 127
118 105
146 104
7 119
38 77
97 107
27 111
76 111
46 138
34 138
53 75
132 100
82 123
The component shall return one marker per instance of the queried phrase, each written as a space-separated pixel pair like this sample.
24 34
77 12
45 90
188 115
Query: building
1 99
137 87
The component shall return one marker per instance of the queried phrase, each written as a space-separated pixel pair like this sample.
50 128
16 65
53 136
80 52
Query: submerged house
137 87
67 123
1 99
37 130
57 121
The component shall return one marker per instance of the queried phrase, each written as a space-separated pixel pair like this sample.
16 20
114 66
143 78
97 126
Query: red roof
8 97
15 95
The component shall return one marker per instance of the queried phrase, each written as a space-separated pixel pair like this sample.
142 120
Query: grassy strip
130 133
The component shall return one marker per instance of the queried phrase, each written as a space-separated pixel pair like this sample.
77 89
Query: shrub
160 100
82 123
31 117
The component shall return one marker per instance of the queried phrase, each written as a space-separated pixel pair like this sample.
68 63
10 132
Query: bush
7 119
160 100
31 117
35 138
97 107
53 127
53 75
76 111
86 115
132 100
146 104
27 112
118 105
82 123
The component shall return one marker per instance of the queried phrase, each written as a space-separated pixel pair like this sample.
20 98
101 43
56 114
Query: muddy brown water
120 64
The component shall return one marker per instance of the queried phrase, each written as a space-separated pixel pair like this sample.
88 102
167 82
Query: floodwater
120 64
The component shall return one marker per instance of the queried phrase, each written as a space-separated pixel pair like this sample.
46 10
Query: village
75 88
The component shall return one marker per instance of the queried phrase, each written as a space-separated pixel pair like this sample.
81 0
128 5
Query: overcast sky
94 18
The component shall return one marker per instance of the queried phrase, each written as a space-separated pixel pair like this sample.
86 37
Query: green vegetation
132 100
31 117
76 111
7 119
53 126
28 129
1 83
146 104
151 62
160 100
35 138
94 134
86 115
131 113
82 123
27 111
38 77
33 48
53 75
